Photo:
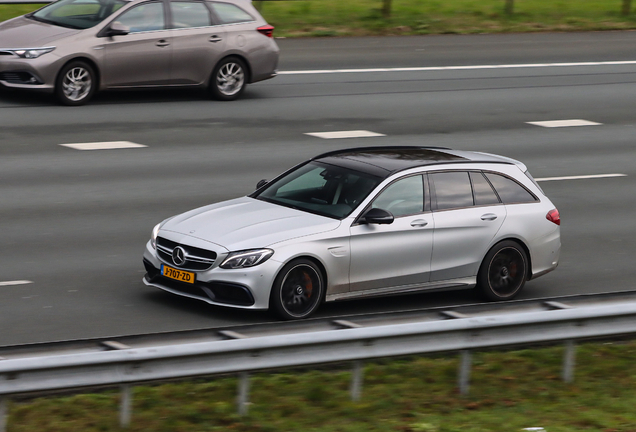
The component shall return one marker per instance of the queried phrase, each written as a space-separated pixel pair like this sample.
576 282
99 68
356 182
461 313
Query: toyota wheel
229 79
76 83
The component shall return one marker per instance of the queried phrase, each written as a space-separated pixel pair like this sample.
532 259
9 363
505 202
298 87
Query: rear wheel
298 290
503 272
228 79
76 83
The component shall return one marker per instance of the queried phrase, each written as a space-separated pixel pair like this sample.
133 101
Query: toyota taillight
267 30
553 216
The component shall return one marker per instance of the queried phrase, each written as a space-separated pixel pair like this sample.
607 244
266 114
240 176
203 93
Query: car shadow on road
15 98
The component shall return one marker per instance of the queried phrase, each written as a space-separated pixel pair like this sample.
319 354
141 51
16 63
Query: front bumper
36 74
247 288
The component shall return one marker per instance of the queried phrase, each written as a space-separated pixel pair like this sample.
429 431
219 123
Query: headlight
248 258
32 53
153 237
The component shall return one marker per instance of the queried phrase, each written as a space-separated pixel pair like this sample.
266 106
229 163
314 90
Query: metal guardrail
244 355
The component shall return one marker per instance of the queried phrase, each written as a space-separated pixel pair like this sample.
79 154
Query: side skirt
453 284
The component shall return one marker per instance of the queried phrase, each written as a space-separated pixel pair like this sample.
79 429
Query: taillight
267 30
553 216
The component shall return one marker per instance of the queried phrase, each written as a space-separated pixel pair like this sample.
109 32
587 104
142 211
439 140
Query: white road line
595 176
16 282
564 123
450 68
345 134
103 145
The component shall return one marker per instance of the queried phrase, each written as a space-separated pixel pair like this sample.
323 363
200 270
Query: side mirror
377 216
261 183
117 29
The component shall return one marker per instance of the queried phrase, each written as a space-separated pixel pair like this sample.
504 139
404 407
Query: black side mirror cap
261 183
377 216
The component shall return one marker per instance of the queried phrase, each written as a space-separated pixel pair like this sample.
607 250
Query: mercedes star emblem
178 256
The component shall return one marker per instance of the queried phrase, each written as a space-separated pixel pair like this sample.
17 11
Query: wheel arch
315 260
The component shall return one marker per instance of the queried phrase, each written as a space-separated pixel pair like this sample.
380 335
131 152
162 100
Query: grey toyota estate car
363 222
76 47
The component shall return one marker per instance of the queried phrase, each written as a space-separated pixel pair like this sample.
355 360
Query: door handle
419 223
162 43
489 217
215 39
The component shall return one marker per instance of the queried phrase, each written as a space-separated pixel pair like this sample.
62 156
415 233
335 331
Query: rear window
509 190
452 190
189 14
483 192
230 14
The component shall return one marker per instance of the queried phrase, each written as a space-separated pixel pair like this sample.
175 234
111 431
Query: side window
145 17
482 191
509 190
452 190
402 198
189 14
230 14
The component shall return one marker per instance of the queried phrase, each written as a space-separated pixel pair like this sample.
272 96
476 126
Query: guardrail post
569 361
356 381
243 393
125 406
4 411
465 363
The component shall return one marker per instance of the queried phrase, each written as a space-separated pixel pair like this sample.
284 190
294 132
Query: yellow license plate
180 275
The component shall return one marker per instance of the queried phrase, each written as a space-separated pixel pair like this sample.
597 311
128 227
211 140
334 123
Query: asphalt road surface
74 223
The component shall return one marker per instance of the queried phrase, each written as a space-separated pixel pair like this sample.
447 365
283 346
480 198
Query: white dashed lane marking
564 123
581 177
345 134
104 145
16 282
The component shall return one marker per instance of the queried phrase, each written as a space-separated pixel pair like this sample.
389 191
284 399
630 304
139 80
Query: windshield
322 189
76 14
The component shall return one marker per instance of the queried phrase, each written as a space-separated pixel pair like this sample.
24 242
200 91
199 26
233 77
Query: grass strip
510 391
418 17
296 18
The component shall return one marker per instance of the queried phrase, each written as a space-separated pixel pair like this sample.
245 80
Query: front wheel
228 79
298 290
503 272
75 84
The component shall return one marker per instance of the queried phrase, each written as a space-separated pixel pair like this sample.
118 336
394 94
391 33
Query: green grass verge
509 391
364 17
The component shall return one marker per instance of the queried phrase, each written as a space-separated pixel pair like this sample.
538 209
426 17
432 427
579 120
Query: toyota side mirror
261 183
117 29
377 216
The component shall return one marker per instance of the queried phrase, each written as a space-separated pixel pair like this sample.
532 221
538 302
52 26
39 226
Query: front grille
219 292
196 259
19 78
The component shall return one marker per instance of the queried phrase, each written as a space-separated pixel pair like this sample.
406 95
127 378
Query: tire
228 79
503 272
76 83
298 290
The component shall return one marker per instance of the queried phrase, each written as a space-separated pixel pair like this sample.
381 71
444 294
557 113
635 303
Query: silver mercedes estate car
76 47
362 222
